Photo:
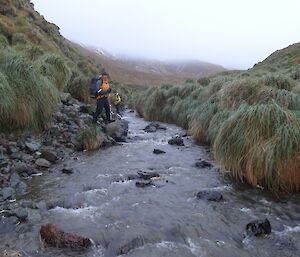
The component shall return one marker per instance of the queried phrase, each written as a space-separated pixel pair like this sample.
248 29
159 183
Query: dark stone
20 213
42 163
207 195
153 127
131 111
147 175
49 155
118 130
259 227
52 235
14 180
33 146
11 150
7 193
144 184
158 151
67 171
176 141
20 167
21 188
203 164
131 245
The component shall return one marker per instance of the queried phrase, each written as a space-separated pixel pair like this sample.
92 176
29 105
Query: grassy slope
36 62
250 118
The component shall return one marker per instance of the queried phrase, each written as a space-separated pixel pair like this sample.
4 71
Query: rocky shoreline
25 155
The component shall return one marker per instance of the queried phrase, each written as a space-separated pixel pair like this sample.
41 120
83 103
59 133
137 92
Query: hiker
101 95
117 103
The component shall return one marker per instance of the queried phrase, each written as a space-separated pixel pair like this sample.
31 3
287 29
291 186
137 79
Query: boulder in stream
158 151
259 227
52 235
176 141
49 155
210 195
153 127
203 164
144 184
147 175
118 130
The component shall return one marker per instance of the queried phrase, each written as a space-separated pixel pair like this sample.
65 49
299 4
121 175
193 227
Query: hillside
149 72
284 60
250 118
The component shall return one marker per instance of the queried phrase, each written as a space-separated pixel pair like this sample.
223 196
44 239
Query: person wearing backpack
101 94
117 103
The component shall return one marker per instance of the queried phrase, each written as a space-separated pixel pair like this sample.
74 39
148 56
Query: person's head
104 76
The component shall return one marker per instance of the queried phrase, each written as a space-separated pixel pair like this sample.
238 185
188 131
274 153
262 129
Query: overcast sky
232 33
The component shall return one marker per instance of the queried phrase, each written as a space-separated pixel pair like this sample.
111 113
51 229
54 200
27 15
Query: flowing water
97 201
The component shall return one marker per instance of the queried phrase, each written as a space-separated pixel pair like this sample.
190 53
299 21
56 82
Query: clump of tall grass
29 97
261 144
238 92
78 87
200 121
55 69
279 81
204 81
90 138
216 123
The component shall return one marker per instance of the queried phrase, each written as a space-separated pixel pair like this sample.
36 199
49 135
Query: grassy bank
36 63
250 119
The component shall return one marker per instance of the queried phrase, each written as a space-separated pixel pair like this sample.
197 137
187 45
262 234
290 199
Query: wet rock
21 188
203 164
12 150
153 127
20 167
147 175
118 130
52 235
131 245
158 151
131 111
209 195
258 228
7 193
176 141
33 146
49 155
144 184
20 213
67 171
14 180
42 163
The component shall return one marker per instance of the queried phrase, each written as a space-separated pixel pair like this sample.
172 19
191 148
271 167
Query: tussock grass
235 93
279 81
257 142
55 69
90 138
29 97
78 87
200 121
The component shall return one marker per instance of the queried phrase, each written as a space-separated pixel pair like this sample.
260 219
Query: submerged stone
209 195
176 141
158 151
259 227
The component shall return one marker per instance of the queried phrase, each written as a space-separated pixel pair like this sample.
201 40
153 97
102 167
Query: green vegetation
36 63
90 138
251 119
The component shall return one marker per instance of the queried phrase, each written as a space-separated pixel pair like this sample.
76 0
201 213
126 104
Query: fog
232 33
